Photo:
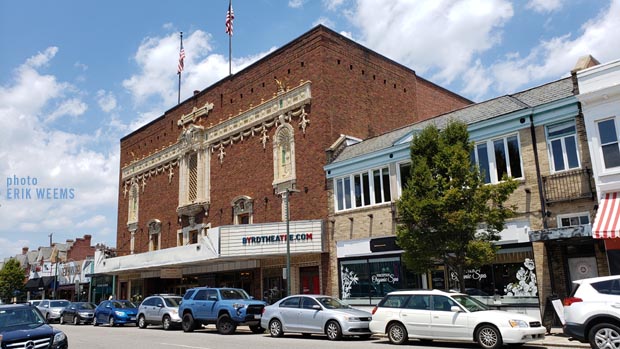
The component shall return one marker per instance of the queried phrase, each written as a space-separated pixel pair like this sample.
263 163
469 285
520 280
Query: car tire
488 337
257 329
275 328
604 335
141 322
111 321
225 325
61 320
333 330
95 323
76 320
188 324
397 333
166 323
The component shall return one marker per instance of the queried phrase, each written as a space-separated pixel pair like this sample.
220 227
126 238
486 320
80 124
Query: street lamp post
287 217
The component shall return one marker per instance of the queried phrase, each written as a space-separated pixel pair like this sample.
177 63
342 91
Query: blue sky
76 76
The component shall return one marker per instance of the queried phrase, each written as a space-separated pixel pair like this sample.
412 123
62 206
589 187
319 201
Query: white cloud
544 6
106 100
69 107
333 5
296 3
557 56
409 32
324 21
59 160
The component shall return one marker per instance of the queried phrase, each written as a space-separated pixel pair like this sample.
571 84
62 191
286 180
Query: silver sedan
315 314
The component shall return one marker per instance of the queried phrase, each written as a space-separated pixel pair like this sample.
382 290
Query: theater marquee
271 238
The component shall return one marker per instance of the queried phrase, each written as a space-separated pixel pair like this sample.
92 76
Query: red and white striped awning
607 221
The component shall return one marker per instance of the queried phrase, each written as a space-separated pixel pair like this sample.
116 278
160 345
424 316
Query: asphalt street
132 337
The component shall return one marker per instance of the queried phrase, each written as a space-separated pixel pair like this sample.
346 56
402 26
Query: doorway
309 280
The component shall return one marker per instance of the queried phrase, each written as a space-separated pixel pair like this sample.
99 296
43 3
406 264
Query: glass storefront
367 280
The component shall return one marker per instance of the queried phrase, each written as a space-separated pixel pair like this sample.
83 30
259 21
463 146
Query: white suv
432 314
592 312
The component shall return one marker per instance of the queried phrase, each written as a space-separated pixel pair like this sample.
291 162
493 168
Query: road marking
184 346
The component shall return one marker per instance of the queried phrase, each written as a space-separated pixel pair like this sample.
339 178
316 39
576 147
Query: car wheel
166 323
275 328
397 333
111 321
333 331
76 320
95 323
488 337
61 320
141 321
225 325
188 323
257 329
605 335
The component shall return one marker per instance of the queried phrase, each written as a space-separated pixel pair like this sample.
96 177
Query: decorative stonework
195 114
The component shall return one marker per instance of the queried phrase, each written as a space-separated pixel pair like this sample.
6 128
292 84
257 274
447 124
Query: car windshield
20 317
231 293
470 303
173 302
86 306
332 303
123 304
58 304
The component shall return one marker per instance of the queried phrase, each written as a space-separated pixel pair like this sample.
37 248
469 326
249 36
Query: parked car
23 326
315 314
51 308
35 302
437 315
78 313
592 312
227 308
115 312
160 309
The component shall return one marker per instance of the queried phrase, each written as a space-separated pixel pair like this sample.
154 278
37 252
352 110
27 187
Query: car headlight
239 306
59 337
174 311
518 323
119 313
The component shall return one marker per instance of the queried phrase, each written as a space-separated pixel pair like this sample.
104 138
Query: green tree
447 214
11 279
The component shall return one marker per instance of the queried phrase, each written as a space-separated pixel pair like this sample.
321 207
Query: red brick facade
354 91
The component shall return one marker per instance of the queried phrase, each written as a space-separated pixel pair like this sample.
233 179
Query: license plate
257 316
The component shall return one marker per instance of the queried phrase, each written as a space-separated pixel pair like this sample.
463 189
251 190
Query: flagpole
229 54
230 16
179 72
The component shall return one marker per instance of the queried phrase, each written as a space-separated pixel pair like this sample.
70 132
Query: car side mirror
316 307
159 305
455 309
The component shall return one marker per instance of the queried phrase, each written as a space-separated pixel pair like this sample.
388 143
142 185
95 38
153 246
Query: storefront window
367 280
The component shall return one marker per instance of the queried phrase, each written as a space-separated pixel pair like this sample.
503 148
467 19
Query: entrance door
309 278
582 268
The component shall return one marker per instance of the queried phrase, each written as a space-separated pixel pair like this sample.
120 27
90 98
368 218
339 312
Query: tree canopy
11 280
447 214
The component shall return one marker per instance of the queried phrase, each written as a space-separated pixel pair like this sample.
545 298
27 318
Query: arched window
243 209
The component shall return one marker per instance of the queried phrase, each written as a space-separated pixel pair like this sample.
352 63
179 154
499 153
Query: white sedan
432 314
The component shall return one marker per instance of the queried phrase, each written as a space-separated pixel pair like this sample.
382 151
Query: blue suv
227 308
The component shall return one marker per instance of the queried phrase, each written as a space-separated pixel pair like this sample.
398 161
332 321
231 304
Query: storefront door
309 278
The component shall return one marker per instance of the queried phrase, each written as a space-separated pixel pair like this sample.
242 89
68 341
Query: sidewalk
557 339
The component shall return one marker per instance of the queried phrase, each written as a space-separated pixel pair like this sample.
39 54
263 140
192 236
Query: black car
23 326
78 313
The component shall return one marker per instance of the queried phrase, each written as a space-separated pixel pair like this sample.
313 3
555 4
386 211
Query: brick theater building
202 188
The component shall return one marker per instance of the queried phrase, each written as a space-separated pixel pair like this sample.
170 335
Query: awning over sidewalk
607 221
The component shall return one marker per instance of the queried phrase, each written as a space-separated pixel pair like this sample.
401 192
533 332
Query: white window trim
399 181
572 215
491 156
564 155
371 184
616 120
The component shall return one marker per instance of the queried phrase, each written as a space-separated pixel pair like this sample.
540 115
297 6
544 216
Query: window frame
492 161
562 139
344 201
577 215
600 145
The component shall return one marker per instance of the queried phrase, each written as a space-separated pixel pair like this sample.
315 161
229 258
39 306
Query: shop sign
471 274
383 278
171 273
276 239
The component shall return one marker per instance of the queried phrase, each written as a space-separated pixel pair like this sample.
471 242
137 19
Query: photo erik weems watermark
29 188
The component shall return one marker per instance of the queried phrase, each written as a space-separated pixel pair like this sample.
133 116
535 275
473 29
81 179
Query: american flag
181 58
230 15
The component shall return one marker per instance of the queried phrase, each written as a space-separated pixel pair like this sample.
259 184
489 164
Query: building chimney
585 62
